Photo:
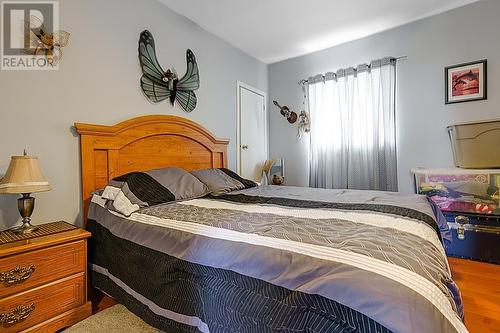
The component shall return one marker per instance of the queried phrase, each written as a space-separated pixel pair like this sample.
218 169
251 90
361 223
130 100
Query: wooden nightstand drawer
41 303
23 271
43 279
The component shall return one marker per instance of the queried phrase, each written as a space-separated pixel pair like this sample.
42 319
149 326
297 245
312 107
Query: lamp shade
23 176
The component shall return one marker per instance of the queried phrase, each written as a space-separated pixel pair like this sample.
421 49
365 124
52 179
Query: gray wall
464 34
98 82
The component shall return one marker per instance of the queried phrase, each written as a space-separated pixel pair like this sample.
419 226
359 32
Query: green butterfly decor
159 85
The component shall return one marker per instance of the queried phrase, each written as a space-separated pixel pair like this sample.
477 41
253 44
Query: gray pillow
221 180
181 183
128 193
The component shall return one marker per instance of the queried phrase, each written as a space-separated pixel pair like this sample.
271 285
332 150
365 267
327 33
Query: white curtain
353 128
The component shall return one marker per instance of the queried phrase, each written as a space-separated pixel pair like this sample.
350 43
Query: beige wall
98 82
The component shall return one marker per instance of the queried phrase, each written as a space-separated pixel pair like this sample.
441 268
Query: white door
252 146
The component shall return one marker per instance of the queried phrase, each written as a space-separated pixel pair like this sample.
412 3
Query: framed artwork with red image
465 82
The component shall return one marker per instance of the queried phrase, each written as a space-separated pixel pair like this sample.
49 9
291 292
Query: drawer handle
16 275
19 313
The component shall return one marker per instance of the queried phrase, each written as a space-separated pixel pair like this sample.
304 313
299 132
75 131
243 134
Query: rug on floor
116 319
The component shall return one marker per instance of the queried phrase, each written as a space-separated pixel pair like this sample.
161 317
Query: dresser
43 282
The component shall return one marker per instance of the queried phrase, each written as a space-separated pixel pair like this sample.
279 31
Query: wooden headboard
144 143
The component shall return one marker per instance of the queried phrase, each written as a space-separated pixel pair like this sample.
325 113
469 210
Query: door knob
244 147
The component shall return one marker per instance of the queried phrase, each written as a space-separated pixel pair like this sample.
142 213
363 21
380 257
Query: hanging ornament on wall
159 85
304 121
285 112
38 40
304 124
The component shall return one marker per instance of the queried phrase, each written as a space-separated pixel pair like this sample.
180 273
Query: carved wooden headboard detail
144 143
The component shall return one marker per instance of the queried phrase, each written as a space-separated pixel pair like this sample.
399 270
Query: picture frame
466 82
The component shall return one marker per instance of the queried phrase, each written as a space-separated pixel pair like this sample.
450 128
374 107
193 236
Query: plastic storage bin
476 144
461 190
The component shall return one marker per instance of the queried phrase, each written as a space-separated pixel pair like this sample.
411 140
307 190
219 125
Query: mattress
287 259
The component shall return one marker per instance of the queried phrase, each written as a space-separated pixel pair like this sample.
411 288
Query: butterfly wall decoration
159 85
38 40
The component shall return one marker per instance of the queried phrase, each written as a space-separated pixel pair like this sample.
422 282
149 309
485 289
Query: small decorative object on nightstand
278 180
24 177
278 172
43 278
273 171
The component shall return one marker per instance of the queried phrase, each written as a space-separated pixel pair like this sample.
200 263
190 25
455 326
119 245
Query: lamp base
26 228
26 204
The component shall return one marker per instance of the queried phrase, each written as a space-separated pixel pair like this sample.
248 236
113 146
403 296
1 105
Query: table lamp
24 177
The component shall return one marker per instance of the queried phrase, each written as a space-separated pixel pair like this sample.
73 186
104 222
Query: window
353 127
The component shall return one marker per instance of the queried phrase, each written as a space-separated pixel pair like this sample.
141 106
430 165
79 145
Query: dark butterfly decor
159 85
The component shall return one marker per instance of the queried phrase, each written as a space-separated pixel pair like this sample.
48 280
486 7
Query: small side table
43 279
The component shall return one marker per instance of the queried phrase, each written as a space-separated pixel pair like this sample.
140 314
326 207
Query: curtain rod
304 81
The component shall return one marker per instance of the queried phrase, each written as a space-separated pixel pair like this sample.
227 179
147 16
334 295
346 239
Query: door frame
241 85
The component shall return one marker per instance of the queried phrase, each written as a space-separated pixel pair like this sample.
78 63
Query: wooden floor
479 284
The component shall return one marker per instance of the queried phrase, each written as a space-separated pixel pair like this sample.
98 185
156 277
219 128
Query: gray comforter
377 253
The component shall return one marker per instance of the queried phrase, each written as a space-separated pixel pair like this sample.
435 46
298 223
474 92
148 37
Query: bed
263 258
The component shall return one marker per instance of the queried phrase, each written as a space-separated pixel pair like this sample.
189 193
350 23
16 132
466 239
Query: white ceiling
274 30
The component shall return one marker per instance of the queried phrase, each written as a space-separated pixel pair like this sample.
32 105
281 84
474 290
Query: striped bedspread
280 259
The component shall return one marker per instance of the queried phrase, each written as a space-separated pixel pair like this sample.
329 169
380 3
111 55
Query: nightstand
43 279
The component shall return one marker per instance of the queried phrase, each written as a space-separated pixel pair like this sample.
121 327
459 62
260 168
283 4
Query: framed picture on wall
465 82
